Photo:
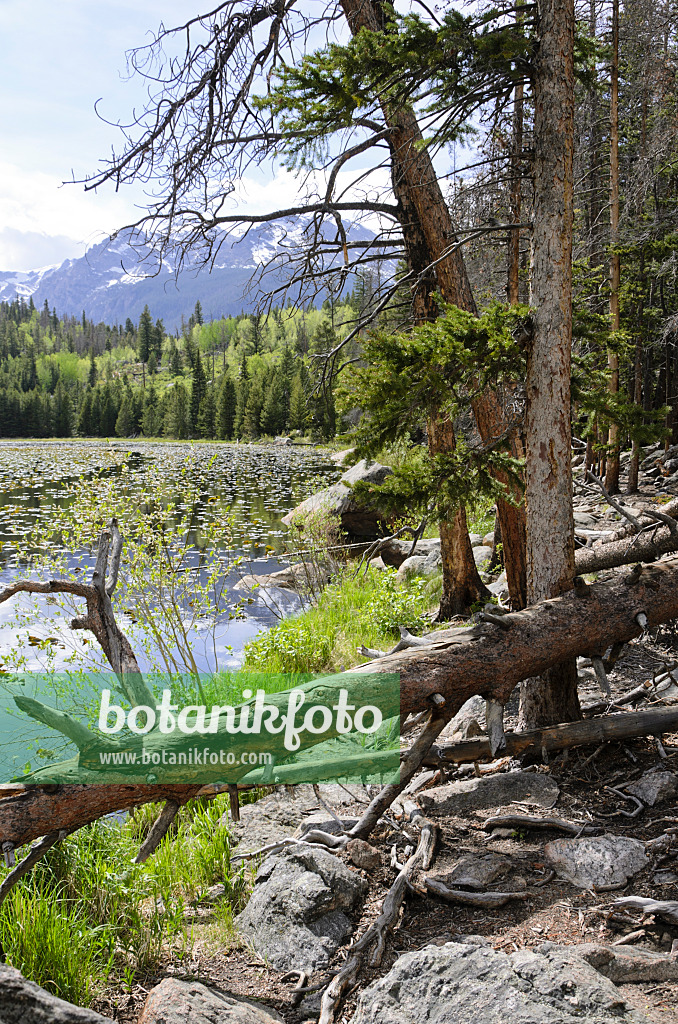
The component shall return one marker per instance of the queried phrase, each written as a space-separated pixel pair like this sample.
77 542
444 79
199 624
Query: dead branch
158 831
666 909
379 930
36 853
525 821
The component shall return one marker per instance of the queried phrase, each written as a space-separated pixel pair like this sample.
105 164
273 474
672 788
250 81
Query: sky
58 60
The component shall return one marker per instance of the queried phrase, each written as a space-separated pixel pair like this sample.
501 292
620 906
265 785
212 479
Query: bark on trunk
513 277
612 474
548 493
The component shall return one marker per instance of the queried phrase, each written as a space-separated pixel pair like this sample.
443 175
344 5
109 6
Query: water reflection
257 484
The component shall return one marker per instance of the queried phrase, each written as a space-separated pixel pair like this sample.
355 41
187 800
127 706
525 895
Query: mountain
113 281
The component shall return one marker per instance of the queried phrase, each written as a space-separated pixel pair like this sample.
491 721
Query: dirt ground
547 908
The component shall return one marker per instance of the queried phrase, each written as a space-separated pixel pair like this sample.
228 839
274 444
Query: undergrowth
364 608
86 917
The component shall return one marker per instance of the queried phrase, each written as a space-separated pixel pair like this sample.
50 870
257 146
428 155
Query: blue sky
58 59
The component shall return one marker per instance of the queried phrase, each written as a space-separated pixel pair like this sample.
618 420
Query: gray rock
296 916
456 798
477 540
461 982
396 551
469 721
301 577
339 458
24 1002
622 964
414 565
597 863
176 1002
584 519
482 554
488 540
473 871
364 856
499 587
655 787
339 501
323 823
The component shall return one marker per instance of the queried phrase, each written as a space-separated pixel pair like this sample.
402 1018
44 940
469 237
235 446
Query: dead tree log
490 664
658 535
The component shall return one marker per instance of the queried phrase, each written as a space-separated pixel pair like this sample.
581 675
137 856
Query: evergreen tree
63 412
85 426
124 424
145 334
92 375
207 414
251 425
226 408
198 387
298 409
177 415
197 314
150 420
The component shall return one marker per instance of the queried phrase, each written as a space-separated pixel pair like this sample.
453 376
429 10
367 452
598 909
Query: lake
258 484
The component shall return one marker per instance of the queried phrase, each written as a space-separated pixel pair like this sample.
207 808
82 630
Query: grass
86 917
356 609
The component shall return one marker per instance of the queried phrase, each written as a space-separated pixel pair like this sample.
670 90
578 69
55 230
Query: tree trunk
513 276
612 475
419 191
548 491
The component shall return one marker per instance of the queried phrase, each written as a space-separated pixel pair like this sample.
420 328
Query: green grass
354 610
86 917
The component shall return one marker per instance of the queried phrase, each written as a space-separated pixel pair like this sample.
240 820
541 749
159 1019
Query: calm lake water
258 484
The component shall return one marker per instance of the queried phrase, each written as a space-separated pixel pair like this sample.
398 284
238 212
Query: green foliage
86 915
434 372
354 610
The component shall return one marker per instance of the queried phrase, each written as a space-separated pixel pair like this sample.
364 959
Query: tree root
378 931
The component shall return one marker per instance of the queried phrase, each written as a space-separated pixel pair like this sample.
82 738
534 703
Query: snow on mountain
113 281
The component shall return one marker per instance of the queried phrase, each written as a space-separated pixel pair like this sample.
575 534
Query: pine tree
150 420
251 426
145 334
298 407
197 314
63 412
273 418
176 419
92 375
207 414
198 386
85 426
226 408
124 424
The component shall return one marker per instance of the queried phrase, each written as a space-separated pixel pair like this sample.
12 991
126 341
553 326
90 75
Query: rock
363 855
396 551
339 458
279 815
339 501
654 788
584 519
301 576
481 554
476 540
323 823
599 862
24 1002
176 1002
473 871
488 540
461 982
469 721
457 798
282 441
412 566
499 587
296 915
378 563
622 964
665 878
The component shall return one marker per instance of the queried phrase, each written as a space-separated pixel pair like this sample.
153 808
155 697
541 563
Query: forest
242 377
507 344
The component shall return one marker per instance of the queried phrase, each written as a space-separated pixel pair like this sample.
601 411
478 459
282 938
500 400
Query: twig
158 831
36 853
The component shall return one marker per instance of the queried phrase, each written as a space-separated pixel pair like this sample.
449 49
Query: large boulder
296 916
24 1002
463 981
178 1002
340 501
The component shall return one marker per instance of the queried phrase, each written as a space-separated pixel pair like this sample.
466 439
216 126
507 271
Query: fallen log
491 663
628 545
622 726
